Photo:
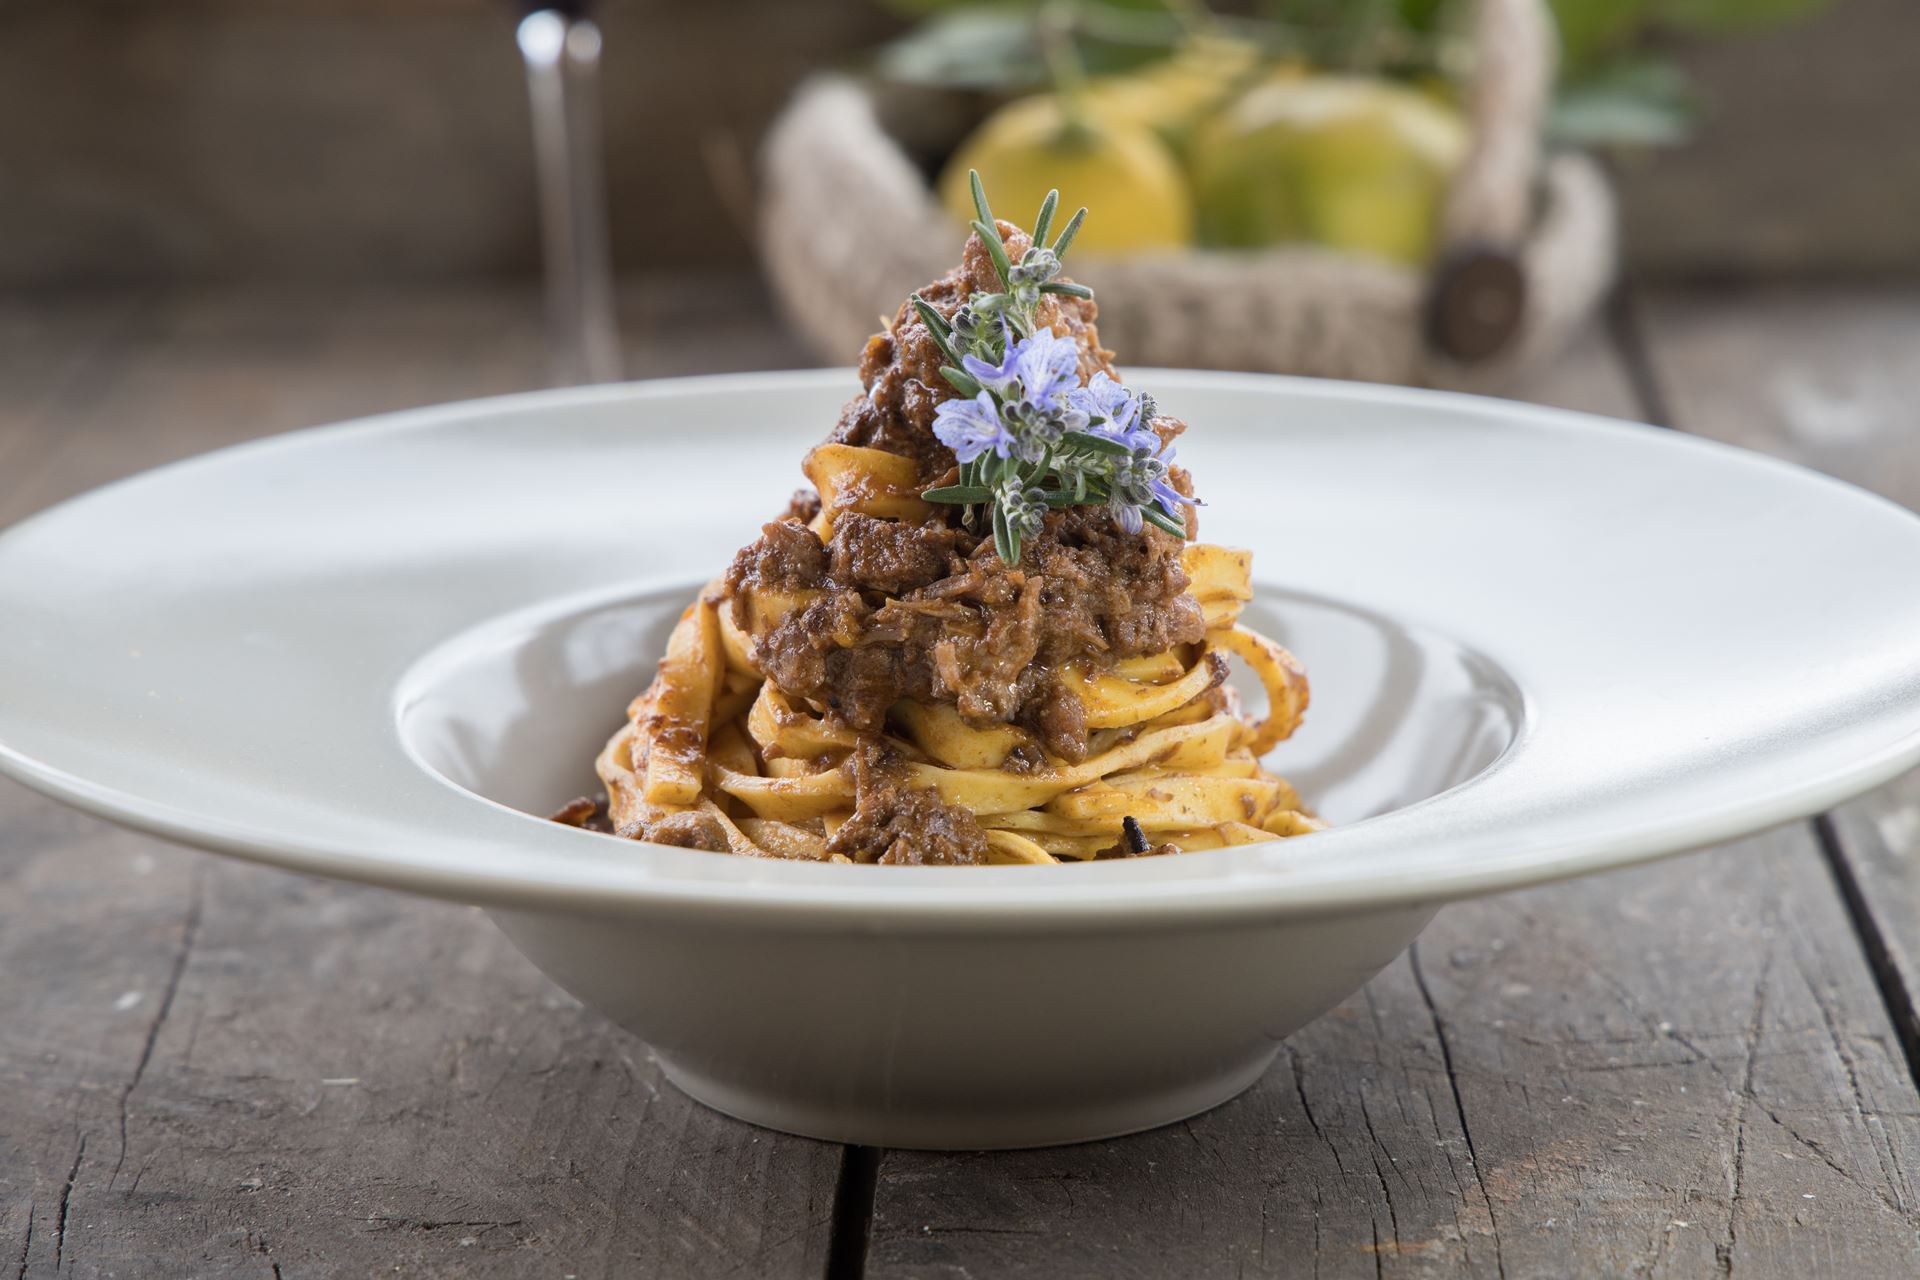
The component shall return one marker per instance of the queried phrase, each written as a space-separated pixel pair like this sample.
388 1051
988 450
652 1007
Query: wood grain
212 1069
1803 159
1831 379
1680 1070
208 1069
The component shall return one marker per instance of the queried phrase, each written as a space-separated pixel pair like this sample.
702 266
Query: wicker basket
849 227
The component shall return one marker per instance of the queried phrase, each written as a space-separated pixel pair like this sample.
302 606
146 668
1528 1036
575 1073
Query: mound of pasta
984 632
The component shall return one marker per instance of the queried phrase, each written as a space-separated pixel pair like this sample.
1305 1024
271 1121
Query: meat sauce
929 611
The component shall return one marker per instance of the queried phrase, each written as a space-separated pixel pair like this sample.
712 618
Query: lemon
1133 189
1349 162
1174 95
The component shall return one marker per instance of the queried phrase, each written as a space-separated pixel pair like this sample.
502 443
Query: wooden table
1705 1066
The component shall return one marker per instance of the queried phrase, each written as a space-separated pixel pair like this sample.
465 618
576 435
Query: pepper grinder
561 48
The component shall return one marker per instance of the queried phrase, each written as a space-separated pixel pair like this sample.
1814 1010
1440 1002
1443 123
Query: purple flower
998 378
1118 410
1169 498
971 427
1037 372
1140 481
1048 368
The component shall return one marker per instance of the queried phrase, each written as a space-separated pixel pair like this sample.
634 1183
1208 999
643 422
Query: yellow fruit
1135 195
1348 162
1174 95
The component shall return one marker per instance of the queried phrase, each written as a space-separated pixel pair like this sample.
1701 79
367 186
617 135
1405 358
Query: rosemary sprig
1067 235
1043 221
1028 436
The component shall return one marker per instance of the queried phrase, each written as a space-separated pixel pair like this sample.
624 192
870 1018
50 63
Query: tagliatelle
712 736
985 633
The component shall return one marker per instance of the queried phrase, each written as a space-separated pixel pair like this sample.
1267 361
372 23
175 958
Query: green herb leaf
1160 519
1089 443
1043 221
1003 539
980 197
1067 287
1066 236
959 494
931 318
937 326
960 380
995 250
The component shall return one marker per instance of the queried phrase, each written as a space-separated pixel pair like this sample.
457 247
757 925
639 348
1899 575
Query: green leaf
1067 287
972 49
1065 497
1160 519
1635 102
961 494
980 197
995 250
960 380
1096 444
1066 236
936 325
1043 221
931 318
1003 540
994 47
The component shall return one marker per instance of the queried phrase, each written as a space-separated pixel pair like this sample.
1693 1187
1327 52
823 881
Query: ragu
912 667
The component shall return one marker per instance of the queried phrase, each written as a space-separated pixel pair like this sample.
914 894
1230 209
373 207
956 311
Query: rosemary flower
1028 436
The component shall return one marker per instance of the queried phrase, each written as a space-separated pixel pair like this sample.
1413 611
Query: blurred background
386 141
225 218
1412 190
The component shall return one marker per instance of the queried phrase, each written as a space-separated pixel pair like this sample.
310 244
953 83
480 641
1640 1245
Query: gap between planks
857 1189
853 1198
1625 327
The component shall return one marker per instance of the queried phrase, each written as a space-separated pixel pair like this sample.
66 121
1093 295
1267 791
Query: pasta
713 736
984 636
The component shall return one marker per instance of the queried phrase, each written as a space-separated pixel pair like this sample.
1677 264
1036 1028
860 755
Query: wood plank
198 370
1830 379
1802 164
210 1069
1670 1071
1679 1069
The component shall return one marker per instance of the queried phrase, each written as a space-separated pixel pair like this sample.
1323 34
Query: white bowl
1541 644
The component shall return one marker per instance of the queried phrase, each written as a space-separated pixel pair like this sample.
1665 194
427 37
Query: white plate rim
838 897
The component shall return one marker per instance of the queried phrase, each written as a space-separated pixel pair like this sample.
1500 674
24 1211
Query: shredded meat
689 830
589 813
890 557
903 825
787 557
803 506
900 368
929 612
